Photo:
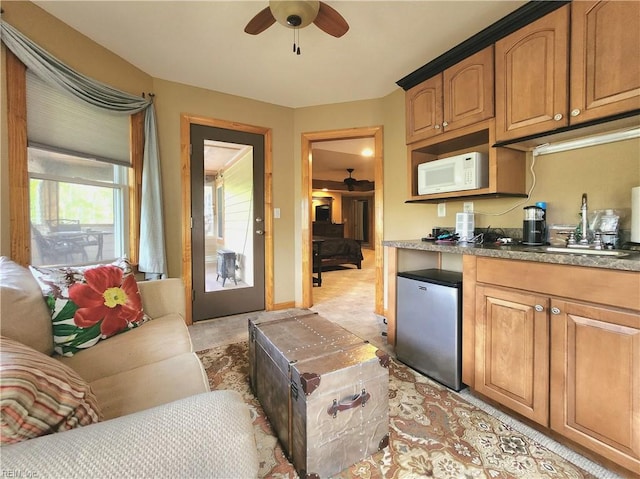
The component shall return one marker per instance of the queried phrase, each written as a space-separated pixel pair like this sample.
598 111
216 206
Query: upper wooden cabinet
531 77
537 92
424 109
605 59
459 96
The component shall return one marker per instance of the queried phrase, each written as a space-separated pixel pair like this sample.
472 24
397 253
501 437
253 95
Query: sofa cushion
90 303
154 341
204 436
150 385
38 395
23 314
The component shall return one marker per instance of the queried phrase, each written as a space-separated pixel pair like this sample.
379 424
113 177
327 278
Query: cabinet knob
557 116
437 127
575 112
539 308
555 310
445 124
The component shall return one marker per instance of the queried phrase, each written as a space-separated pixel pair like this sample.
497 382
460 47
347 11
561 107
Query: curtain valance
152 256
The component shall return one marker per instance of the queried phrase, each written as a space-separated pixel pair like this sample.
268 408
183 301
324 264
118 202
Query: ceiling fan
298 14
351 182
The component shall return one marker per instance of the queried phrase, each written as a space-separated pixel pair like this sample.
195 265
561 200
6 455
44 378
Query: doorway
359 212
228 240
375 213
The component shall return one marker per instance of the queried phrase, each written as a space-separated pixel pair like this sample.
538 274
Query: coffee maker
534 228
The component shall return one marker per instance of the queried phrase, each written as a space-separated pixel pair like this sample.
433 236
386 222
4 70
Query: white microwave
456 173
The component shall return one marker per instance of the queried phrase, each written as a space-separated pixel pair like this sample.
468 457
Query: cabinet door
512 350
424 109
468 91
595 383
532 77
605 53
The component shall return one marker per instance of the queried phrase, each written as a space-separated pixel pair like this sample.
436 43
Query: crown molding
517 19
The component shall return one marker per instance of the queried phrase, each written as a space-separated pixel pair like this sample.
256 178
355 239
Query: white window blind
59 122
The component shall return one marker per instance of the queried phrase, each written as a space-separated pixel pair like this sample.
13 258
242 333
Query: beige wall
173 100
606 172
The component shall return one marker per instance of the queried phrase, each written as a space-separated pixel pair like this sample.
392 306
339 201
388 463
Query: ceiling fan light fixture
294 14
350 182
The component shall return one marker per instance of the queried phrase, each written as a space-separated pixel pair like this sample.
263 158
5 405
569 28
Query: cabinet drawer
594 285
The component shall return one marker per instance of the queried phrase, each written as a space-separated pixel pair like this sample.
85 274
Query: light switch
442 209
276 212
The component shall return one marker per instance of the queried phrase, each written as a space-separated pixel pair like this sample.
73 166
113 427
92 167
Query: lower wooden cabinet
559 345
512 350
595 379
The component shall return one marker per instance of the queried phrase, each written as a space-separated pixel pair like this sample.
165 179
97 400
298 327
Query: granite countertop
524 253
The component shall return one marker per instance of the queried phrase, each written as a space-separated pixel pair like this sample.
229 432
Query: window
78 168
78 209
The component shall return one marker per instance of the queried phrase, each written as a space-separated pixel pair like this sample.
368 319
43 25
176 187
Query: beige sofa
159 418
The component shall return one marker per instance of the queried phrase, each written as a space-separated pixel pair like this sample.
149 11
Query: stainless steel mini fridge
429 324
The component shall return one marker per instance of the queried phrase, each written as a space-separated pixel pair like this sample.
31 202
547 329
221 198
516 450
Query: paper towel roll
635 214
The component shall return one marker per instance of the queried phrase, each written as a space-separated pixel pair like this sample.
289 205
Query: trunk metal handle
348 402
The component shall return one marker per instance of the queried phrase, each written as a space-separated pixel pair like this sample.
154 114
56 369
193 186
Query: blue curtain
152 254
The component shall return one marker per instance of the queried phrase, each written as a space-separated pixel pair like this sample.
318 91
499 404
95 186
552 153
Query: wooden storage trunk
324 390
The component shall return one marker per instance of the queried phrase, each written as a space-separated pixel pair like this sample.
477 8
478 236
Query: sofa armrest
163 296
208 435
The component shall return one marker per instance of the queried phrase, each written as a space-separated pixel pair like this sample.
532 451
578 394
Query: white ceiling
202 43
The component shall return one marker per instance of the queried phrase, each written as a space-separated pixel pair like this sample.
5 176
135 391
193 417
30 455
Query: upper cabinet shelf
506 165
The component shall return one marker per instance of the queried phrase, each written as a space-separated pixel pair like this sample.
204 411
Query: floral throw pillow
89 303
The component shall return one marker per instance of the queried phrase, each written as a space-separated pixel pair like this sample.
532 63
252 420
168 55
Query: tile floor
346 297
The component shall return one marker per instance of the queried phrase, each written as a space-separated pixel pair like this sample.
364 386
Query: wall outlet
442 210
467 207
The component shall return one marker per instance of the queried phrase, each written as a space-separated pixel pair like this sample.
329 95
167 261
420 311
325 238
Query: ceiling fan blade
258 24
330 21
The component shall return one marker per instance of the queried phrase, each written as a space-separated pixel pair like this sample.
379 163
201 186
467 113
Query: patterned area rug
433 432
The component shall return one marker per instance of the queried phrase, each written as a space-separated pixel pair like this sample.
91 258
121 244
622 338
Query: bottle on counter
609 228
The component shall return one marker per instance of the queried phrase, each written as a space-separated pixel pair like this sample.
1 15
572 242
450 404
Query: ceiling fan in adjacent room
298 14
351 182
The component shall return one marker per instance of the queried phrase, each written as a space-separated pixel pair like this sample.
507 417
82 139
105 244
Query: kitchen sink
579 251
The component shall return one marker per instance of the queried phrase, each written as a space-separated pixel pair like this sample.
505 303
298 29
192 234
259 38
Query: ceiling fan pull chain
296 32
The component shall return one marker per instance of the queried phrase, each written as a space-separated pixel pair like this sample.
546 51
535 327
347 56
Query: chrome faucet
584 240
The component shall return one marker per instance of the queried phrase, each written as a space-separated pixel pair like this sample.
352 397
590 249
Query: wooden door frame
306 193
186 121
